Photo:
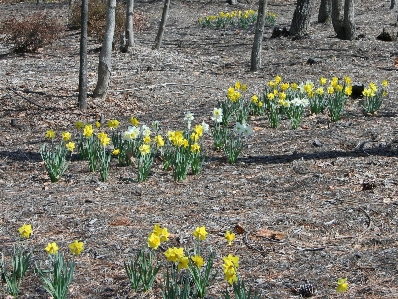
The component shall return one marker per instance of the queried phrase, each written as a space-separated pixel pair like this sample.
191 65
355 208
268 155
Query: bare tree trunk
338 18
325 11
301 17
82 99
104 66
129 33
233 2
162 25
258 36
349 24
392 4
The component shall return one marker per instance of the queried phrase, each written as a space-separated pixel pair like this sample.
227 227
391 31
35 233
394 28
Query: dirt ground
333 206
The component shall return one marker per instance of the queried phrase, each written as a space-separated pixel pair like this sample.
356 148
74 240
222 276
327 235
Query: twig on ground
26 99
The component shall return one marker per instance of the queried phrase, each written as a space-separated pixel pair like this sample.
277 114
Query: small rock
279 32
357 91
312 61
317 143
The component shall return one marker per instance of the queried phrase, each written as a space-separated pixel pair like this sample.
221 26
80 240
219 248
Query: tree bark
258 36
301 17
349 24
104 66
338 18
129 33
162 25
392 4
82 99
325 11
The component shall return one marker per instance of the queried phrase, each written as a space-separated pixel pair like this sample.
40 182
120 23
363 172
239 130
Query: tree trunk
82 99
301 17
338 18
162 25
129 33
325 11
392 4
104 66
349 24
258 36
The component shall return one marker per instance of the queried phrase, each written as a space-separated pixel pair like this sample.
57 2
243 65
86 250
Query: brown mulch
305 212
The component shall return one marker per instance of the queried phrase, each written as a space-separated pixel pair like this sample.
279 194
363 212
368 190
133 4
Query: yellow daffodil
76 247
198 130
320 91
113 124
153 241
322 81
173 254
66 136
183 262
348 90
278 80
384 83
260 104
195 148
159 140
50 134
339 88
229 237
70 146
116 152
147 139
162 232
145 149
342 285
88 131
244 87
97 124
103 139
79 125
200 233
198 260
330 90
347 80
237 85
254 99
282 96
334 82
25 231
234 259
270 96
134 121
294 86
285 86
373 86
52 248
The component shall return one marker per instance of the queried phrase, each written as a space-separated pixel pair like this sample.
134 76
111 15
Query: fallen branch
26 99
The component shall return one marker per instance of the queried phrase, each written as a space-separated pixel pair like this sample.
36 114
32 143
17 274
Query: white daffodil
205 127
247 131
239 128
188 119
146 131
217 115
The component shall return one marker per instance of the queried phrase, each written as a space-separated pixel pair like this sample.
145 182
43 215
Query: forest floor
333 208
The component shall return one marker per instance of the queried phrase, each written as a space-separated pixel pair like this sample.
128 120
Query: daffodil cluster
373 97
230 267
55 280
237 18
183 149
55 156
158 235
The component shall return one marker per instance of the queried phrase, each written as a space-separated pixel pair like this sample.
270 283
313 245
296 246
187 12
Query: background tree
128 40
301 17
162 25
343 18
82 99
258 36
325 11
104 66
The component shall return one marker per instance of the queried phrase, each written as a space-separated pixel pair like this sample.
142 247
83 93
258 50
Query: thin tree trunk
392 4
338 18
104 66
301 17
258 36
349 24
325 11
162 25
129 23
82 99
